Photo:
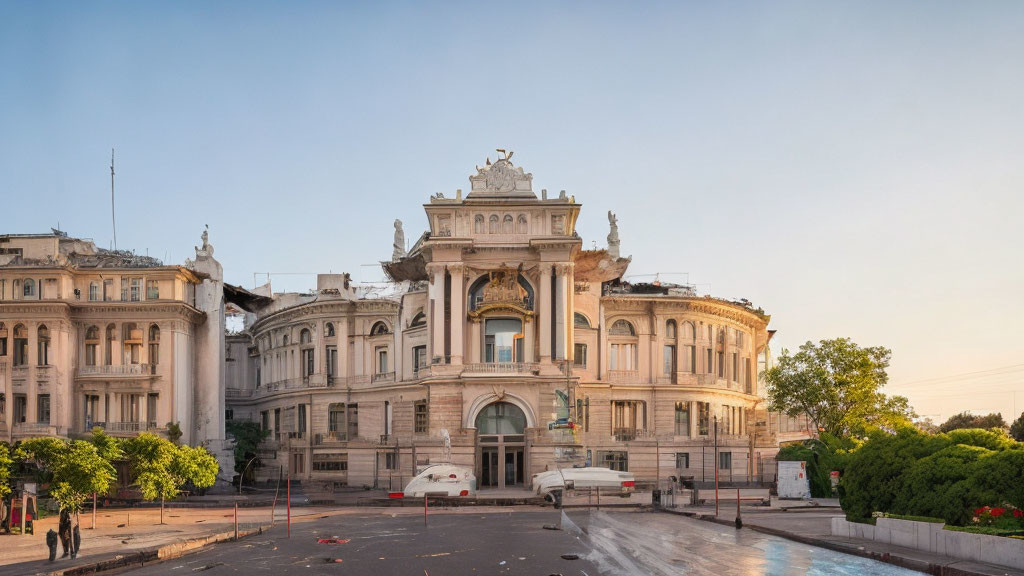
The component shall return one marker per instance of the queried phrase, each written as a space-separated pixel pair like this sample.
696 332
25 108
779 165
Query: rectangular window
136 289
352 415
330 462
229 414
124 288
151 415
421 417
613 357
336 421
725 460
382 360
579 355
721 364
94 292
302 419
3 289
419 358
735 367
277 420
3 407
682 460
299 463
670 360
265 420
43 409
390 461
748 376
332 362
693 359
583 413
20 408
710 368
615 459
307 363
152 290
703 418
108 289
682 418
629 417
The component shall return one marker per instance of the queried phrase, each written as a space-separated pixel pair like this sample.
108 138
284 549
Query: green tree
967 420
6 463
1017 428
76 467
161 468
838 385
247 435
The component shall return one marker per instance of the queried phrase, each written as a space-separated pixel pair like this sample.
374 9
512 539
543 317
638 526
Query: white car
605 479
440 480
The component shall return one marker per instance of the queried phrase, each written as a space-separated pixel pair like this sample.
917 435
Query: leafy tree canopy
77 468
160 467
1017 428
966 420
838 385
6 463
247 435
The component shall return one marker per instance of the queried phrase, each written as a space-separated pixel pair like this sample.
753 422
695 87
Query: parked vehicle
440 480
605 479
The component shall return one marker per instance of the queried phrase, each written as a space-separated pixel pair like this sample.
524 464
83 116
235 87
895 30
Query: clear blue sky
853 167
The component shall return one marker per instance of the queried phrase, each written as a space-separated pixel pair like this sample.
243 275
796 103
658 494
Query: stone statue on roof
398 248
613 235
207 248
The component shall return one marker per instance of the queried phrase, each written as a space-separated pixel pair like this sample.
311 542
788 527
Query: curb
888 558
153 555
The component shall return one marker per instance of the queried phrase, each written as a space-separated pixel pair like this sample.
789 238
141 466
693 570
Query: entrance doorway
501 446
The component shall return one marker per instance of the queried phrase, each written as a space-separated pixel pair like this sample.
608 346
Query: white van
606 479
440 480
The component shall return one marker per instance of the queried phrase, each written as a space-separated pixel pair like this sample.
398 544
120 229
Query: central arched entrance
501 446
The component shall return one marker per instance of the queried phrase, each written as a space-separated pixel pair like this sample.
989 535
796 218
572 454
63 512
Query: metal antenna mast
113 219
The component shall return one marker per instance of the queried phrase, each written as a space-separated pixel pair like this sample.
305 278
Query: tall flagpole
113 219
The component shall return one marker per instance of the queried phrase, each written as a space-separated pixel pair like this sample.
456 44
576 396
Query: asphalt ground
389 544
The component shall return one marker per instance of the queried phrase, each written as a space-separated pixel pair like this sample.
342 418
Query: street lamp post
716 465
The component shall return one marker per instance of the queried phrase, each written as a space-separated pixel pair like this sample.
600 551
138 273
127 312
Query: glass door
489 474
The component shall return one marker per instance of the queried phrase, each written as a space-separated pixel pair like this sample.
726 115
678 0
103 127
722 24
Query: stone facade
502 333
92 337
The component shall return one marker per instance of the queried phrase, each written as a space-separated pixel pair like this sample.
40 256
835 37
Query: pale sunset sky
854 168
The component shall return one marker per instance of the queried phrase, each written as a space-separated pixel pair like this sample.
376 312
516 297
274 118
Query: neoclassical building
92 337
503 337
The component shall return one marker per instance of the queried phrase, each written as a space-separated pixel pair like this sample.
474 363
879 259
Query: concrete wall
931 537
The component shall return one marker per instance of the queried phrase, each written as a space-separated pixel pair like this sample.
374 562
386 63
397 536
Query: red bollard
289 507
236 520
424 509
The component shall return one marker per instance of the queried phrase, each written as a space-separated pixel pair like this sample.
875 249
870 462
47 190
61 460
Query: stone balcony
26 429
120 371
624 376
500 368
383 377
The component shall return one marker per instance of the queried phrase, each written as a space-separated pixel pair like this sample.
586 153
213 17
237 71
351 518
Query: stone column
31 385
359 353
561 300
474 342
529 339
436 293
320 349
544 312
458 322
342 336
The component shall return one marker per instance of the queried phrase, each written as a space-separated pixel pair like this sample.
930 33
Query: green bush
946 475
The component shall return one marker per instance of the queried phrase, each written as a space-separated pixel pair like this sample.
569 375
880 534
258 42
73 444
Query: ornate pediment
501 179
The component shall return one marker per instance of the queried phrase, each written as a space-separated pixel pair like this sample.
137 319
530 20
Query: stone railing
237 393
124 427
627 434
45 372
37 429
501 368
624 376
121 370
383 377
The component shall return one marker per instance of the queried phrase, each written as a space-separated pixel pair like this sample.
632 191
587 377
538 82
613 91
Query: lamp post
716 465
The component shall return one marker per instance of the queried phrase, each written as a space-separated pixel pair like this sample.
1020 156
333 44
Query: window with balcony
669 357
382 360
420 411
152 399
503 338
629 417
330 462
301 427
20 408
152 290
332 361
132 343
94 291
307 363
622 357
682 419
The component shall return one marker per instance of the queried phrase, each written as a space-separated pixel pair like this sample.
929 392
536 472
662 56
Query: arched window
622 328
379 329
20 345
305 337
521 226
154 344
330 329
43 345
92 346
420 319
670 329
29 287
493 229
501 418
94 291
478 224
284 340
580 321
688 331
507 226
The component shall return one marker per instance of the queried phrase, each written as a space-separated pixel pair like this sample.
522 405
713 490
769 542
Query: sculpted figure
398 248
613 235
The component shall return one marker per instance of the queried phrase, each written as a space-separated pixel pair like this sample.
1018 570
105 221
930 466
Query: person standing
64 531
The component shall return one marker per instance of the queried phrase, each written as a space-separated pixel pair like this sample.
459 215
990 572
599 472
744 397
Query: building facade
505 346
92 337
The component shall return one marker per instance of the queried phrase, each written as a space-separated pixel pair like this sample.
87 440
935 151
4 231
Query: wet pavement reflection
662 544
